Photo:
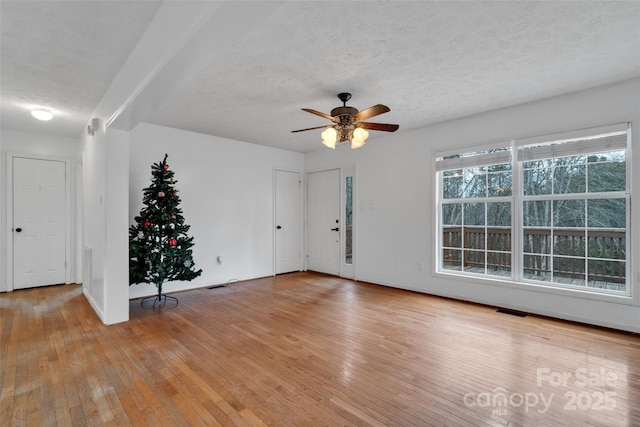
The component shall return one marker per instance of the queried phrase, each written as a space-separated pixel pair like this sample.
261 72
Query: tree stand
159 300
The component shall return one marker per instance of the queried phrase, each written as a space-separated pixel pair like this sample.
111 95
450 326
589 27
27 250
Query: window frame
517 147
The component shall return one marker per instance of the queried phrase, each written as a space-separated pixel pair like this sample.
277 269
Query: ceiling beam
181 41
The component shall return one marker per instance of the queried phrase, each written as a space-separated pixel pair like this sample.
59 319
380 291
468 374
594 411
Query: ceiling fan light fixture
359 137
349 123
357 144
42 115
329 138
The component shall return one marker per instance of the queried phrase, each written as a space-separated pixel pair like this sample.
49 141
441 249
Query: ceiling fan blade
317 127
318 113
379 126
371 111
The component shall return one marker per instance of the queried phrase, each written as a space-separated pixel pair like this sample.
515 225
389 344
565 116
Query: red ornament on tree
166 167
173 242
147 223
160 193
173 217
175 193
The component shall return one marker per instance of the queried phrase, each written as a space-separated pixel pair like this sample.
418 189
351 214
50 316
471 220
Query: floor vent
512 313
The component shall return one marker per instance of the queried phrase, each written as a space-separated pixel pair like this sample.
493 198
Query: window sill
555 289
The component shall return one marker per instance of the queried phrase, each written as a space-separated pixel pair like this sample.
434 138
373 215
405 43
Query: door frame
300 209
347 272
67 213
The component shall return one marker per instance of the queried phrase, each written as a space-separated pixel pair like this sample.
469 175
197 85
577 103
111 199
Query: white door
39 222
323 221
288 230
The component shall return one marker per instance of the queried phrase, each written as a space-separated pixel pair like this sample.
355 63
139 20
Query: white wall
116 222
396 195
105 217
226 192
94 229
41 146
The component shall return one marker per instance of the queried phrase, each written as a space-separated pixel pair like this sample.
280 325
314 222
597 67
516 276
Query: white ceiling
427 61
63 55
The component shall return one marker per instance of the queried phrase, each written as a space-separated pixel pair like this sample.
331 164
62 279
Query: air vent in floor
512 313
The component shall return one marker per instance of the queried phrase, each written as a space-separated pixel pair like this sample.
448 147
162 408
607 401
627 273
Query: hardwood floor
306 349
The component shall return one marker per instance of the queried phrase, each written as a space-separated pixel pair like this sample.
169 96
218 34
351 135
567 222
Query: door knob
335 229
18 230
278 227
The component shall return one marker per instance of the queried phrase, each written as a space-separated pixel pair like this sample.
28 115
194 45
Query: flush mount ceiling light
348 125
42 115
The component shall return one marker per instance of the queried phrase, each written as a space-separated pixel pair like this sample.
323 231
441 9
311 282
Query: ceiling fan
349 124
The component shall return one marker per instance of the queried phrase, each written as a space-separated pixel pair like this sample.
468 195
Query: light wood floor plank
306 349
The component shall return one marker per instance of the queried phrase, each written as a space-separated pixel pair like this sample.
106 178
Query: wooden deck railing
348 246
601 252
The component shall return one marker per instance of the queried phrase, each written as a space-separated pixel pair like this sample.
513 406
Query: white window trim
516 280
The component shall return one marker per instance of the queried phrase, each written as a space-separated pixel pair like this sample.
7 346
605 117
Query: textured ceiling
62 56
428 61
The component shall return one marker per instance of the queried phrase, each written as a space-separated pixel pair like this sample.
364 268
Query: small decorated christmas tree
159 247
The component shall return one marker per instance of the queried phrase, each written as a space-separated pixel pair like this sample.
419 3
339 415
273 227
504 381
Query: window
476 212
348 215
562 222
